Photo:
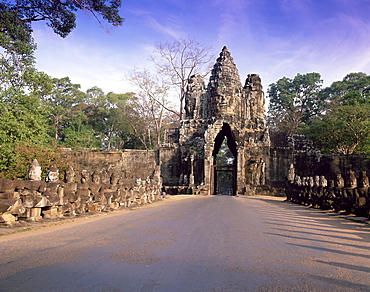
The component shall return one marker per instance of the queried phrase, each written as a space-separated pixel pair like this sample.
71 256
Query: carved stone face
339 181
114 178
352 181
104 177
28 201
96 177
70 175
84 176
323 182
297 180
34 172
52 174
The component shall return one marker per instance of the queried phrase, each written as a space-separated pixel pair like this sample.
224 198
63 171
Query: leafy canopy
293 102
336 118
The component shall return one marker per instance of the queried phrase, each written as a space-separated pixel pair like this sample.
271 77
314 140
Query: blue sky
273 38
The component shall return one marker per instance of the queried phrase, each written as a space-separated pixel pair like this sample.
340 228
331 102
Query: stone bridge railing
350 195
35 199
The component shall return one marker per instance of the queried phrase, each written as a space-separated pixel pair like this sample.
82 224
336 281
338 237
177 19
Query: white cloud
88 62
167 27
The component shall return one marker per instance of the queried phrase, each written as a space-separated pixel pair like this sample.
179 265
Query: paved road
216 243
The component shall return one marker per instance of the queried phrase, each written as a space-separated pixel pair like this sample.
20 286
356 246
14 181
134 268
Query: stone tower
224 109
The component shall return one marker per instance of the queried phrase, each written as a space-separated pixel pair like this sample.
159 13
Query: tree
22 122
344 126
177 61
344 129
77 132
151 102
294 102
17 44
354 88
59 14
60 100
117 126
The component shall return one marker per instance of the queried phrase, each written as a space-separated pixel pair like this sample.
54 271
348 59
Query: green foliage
22 121
293 102
60 15
38 113
354 88
345 129
23 155
224 176
345 125
336 118
60 101
224 156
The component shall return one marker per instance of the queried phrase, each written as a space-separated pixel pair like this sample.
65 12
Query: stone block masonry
99 181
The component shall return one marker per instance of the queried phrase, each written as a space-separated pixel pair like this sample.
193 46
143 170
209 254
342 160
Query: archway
224 163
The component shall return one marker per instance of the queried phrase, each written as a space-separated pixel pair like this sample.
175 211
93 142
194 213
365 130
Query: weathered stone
363 184
85 176
7 189
105 179
34 171
53 212
55 193
33 214
36 185
225 109
16 207
7 218
114 179
70 175
52 175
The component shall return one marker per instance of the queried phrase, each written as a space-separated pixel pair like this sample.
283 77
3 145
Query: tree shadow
319 240
341 283
346 266
324 249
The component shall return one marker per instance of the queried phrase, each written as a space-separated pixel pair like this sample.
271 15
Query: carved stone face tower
225 109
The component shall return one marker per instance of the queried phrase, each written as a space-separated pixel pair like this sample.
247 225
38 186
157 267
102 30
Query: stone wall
130 164
332 164
289 149
297 150
98 181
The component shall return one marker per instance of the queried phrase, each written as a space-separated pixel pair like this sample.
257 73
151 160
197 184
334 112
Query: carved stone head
96 177
70 175
34 171
84 176
114 178
52 174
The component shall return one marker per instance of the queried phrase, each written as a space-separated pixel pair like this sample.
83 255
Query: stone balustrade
36 200
349 194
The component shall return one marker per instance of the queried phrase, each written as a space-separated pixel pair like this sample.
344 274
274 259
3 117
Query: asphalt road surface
216 243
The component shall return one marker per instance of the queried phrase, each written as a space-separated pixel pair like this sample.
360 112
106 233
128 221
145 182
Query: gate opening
224 163
224 178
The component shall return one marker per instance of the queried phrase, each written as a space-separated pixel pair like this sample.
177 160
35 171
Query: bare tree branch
178 61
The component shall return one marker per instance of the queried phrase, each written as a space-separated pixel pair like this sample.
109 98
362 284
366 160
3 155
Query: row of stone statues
35 199
350 194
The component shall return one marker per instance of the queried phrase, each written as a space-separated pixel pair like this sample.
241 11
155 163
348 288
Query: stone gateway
224 110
